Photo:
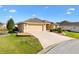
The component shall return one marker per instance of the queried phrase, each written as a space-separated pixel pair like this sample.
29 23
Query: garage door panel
34 28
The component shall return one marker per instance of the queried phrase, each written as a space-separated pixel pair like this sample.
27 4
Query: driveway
49 38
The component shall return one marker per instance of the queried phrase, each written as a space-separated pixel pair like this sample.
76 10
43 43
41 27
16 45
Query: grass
12 44
72 34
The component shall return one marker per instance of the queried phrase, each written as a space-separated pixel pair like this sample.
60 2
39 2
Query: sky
54 13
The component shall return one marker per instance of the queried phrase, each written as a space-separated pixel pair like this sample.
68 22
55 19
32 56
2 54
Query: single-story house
35 24
2 26
72 26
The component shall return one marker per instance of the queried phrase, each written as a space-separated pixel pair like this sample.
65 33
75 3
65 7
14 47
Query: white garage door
32 28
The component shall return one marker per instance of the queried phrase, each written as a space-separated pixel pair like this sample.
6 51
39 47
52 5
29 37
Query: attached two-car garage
26 27
34 27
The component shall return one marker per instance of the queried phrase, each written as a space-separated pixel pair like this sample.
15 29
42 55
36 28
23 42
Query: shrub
54 29
59 30
51 30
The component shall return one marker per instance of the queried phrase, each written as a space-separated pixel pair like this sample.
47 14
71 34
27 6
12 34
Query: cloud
69 12
46 7
33 15
71 9
5 9
10 16
12 10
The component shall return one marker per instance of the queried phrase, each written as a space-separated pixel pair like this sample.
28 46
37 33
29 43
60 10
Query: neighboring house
35 24
72 26
1 26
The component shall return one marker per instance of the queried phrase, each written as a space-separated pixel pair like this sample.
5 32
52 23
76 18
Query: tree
10 25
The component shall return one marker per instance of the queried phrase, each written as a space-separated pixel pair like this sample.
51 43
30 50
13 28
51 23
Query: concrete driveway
49 38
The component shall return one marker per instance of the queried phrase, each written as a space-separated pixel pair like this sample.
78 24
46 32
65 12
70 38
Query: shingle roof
36 20
70 23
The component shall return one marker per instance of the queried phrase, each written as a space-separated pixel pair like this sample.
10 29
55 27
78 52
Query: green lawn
12 44
72 34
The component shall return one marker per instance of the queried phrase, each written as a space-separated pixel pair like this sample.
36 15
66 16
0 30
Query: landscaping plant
10 25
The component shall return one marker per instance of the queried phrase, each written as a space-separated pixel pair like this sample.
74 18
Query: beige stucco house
72 26
35 24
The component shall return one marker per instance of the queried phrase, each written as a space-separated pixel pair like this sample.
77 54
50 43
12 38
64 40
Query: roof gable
37 20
